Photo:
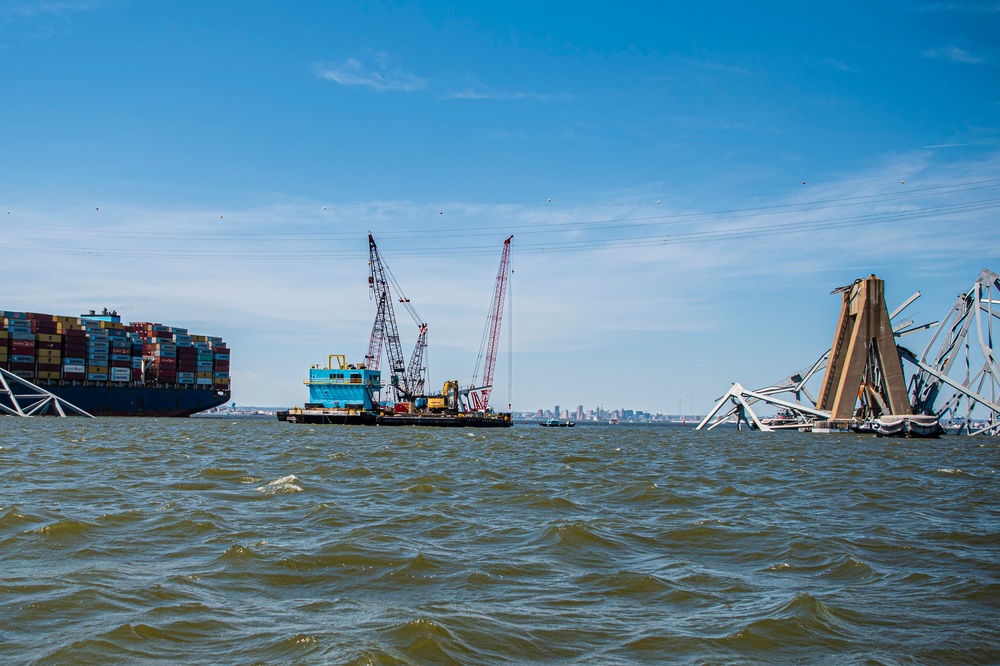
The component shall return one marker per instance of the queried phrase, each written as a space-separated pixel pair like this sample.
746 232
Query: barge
348 394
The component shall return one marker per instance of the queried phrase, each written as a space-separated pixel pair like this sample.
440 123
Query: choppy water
202 541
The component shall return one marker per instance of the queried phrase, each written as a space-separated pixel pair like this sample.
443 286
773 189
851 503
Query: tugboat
784 418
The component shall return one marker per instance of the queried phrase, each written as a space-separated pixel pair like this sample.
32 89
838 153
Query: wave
574 540
66 530
12 519
428 641
285 484
220 473
802 621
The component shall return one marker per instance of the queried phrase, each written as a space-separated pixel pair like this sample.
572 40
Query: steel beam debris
19 397
956 379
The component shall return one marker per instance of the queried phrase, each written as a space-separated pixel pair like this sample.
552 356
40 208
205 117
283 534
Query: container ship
109 368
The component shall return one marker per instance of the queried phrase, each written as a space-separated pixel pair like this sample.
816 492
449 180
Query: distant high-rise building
579 412
539 413
555 412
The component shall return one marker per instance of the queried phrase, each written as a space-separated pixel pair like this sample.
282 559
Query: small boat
556 423
784 419
614 420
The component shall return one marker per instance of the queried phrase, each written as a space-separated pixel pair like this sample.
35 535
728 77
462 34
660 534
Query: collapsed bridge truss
956 378
19 397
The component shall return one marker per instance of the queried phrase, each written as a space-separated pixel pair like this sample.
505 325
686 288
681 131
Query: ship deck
342 417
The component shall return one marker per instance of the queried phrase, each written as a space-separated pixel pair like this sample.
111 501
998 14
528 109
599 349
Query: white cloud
954 54
11 11
377 74
715 66
470 93
838 65
972 8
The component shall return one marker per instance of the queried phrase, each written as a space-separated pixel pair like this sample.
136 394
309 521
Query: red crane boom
480 396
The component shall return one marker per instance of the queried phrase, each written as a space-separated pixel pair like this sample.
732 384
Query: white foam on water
285 484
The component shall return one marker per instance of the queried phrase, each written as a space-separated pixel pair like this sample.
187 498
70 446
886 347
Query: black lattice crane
479 396
407 381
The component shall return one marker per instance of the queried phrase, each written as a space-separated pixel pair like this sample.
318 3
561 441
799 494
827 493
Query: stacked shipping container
47 349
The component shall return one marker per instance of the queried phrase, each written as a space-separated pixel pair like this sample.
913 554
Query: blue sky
685 185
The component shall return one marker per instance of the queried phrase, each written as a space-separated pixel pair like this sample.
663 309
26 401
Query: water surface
212 541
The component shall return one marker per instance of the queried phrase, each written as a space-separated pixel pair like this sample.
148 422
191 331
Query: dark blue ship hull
103 400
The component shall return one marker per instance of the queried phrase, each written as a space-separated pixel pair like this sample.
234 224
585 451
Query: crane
479 396
407 380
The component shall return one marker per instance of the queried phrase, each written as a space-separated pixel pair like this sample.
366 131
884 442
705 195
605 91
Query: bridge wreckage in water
954 383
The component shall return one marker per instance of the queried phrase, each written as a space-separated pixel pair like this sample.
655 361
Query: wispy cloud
954 54
12 11
377 74
960 7
715 66
838 65
965 145
470 93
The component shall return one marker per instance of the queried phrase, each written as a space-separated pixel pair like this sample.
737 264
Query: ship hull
139 400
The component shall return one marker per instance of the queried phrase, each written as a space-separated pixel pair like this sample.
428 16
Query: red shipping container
22 344
167 362
22 366
121 364
75 376
221 366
